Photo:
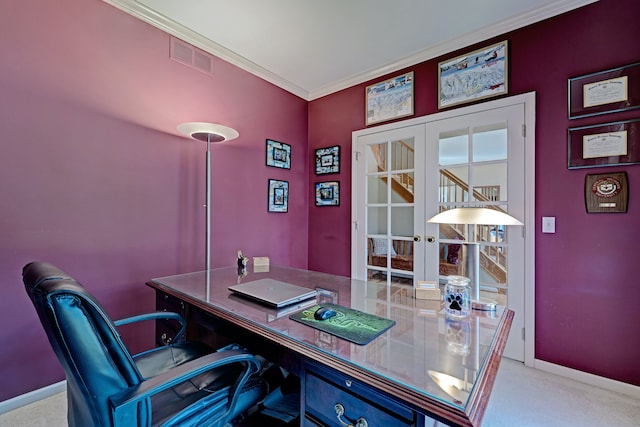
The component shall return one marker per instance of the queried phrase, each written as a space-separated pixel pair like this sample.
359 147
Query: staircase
452 190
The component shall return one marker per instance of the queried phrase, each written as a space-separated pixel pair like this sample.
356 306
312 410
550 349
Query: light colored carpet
528 397
49 412
521 397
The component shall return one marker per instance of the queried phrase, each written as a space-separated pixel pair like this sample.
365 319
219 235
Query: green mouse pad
351 325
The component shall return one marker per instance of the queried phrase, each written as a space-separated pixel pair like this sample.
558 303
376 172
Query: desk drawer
324 392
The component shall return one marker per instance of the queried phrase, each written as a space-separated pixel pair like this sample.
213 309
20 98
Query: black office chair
182 383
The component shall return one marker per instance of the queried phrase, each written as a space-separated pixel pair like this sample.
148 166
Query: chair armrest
164 315
124 404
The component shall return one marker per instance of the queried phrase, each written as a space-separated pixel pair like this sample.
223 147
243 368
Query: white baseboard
32 396
584 377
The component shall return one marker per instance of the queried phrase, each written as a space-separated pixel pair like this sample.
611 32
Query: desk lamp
209 133
474 217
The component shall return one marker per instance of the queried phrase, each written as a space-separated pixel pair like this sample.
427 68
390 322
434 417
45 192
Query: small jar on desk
457 296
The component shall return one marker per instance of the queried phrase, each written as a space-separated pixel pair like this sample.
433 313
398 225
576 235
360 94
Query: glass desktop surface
425 351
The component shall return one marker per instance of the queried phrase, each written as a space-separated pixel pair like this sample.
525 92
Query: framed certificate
603 92
609 144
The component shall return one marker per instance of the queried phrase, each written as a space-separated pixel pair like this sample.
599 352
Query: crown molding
520 21
169 26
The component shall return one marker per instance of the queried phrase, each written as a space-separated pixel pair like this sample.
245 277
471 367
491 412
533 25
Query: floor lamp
209 133
474 217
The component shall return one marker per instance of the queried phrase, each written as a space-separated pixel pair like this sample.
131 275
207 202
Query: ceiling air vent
191 56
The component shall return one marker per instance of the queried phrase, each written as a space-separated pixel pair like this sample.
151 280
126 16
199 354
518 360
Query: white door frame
529 101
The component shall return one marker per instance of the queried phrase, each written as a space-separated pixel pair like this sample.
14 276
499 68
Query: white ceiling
316 47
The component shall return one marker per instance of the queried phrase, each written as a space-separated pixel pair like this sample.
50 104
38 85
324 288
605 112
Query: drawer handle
165 339
360 422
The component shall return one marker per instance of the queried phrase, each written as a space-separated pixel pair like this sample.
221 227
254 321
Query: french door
390 226
406 172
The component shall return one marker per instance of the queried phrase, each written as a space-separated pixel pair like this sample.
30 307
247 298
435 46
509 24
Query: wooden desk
425 368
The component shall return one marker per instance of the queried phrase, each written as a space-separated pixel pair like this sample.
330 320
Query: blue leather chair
183 383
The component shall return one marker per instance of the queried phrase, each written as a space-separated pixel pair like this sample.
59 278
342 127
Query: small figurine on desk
242 260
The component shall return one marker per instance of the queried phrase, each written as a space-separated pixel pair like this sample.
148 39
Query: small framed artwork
328 160
608 144
617 89
477 75
278 154
278 196
328 193
608 192
390 99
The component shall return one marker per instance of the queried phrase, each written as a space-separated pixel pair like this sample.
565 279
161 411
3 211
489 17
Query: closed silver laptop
273 292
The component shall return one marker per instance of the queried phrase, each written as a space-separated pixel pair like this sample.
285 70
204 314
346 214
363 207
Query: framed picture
278 196
603 92
477 75
608 192
608 144
328 160
390 99
278 154
328 193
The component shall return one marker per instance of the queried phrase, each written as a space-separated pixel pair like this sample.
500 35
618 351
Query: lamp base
484 304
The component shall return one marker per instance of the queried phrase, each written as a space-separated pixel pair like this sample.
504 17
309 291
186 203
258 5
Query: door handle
417 238
431 239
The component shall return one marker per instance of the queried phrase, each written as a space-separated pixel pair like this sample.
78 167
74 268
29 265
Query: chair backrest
95 360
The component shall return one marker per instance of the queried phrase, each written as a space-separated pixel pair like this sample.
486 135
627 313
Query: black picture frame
278 154
328 160
327 193
278 196
609 91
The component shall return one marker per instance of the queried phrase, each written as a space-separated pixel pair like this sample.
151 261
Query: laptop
274 313
273 292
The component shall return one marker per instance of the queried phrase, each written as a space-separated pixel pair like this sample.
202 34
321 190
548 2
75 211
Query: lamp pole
207 252
208 213
472 264
209 133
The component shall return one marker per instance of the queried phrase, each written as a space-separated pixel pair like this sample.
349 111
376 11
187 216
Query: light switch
548 224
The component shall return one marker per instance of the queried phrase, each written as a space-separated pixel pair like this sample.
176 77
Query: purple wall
95 178
587 273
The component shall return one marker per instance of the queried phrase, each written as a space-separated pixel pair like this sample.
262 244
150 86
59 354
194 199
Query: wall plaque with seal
607 192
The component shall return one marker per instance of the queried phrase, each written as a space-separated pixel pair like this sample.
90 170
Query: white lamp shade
208 132
480 216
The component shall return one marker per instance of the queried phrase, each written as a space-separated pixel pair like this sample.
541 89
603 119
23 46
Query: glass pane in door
453 147
490 143
490 182
454 185
376 189
377 157
377 220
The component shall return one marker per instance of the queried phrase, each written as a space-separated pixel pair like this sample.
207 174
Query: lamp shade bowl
208 132
479 216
